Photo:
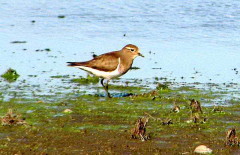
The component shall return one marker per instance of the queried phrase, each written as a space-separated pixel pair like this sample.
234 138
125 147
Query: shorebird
110 65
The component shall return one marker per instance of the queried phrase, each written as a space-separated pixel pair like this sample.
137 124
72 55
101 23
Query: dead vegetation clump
139 131
176 108
11 119
231 138
154 94
217 109
166 121
195 106
196 112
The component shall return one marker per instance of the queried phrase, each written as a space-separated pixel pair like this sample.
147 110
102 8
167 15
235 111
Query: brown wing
106 62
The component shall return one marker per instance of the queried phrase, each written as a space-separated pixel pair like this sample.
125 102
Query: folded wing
107 62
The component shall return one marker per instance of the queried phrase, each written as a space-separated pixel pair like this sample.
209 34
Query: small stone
202 149
67 111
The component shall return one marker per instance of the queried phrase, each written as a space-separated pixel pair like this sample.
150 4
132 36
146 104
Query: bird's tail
75 64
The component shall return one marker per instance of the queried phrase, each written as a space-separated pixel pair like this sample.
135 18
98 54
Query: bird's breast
124 66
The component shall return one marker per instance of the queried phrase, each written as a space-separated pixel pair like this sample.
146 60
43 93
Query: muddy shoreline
99 125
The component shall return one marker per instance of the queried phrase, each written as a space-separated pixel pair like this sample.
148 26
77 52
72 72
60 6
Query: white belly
103 74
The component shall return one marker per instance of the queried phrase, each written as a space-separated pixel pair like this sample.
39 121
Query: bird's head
132 50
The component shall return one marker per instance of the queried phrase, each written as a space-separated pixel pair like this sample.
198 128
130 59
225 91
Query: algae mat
88 124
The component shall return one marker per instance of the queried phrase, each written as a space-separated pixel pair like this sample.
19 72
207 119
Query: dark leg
106 87
107 90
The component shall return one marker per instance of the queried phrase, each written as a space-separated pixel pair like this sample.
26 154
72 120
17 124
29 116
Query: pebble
67 111
202 149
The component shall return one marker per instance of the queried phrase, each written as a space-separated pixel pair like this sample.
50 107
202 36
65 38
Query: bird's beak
139 54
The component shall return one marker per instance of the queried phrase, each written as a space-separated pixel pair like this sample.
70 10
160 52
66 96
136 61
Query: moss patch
10 75
89 79
101 125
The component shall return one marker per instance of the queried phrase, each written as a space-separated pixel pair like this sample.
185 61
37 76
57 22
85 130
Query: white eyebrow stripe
129 48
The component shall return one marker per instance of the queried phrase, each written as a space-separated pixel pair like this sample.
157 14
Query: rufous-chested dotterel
110 65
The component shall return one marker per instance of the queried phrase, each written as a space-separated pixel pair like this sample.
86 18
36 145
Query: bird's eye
132 50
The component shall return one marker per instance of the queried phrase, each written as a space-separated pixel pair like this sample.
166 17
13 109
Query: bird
110 65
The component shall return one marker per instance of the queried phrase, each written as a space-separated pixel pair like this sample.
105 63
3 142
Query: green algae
10 75
125 88
89 79
61 16
103 125
162 86
60 76
19 42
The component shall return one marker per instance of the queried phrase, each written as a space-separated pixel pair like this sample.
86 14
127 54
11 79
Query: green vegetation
10 75
89 79
161 86
90 124
61 16
60 76
18 42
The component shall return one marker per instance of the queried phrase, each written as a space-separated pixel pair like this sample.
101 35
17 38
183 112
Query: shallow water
196 41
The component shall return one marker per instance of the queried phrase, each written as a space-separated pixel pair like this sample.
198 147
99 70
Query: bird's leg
106 87
102 83
107 90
